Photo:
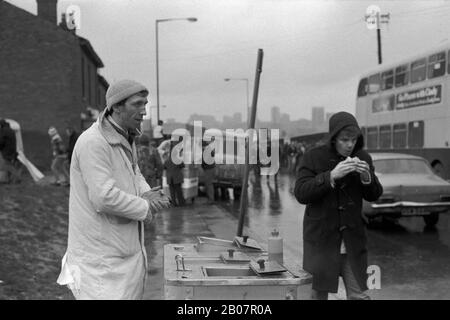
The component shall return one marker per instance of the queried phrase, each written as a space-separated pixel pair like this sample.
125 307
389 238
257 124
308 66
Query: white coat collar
109 133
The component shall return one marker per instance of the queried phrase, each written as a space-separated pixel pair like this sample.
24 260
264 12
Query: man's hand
363 169
157 200
342 169
153 194
158 205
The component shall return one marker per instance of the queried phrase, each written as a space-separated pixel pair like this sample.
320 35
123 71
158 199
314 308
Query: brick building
48 76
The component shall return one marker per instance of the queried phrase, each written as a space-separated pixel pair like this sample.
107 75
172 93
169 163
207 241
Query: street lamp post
246 81
157 56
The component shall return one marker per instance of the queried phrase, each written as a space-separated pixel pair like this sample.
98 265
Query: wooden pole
251 125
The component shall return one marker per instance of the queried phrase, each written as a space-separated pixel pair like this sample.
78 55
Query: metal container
190 274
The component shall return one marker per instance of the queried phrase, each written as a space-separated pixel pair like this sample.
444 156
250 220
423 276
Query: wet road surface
414 262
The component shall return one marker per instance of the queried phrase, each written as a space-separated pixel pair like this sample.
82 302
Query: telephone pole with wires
374 19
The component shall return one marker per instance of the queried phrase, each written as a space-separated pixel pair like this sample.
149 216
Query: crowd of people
61 154
290 155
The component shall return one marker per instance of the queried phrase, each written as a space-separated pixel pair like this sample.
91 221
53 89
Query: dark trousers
176 193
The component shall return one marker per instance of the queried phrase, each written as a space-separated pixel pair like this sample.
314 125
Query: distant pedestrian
8 149
158 134
159 164
149 161
285 155
333 181
59 163
174 176
291 157
298 157
209 168
72 136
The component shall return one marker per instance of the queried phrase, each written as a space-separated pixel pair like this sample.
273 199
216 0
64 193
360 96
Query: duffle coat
334 214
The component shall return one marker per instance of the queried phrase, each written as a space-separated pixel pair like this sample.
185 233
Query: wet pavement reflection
414 261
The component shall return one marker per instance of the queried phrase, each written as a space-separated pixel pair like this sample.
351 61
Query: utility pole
374 19
380 58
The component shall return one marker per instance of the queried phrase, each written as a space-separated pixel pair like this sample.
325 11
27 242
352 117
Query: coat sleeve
143 157
373 190
143 185
95 165
311 186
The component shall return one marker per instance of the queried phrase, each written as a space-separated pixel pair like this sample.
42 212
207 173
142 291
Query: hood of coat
339 121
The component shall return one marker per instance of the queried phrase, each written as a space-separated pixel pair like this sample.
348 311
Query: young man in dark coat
333 180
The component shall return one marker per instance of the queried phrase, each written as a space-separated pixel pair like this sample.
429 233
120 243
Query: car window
402 166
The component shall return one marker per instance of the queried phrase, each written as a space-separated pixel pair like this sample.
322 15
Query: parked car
411 188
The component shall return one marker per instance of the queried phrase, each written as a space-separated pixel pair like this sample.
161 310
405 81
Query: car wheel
431 220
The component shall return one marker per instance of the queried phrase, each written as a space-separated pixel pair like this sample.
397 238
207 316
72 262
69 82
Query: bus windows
362 88
401 76
436 65
387 80
415 134
383 103
374 83
385 137
372 138
418 70
399 135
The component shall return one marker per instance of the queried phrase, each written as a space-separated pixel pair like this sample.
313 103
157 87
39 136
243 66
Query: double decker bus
405 107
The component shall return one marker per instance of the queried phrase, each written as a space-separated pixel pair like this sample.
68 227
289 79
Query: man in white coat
109 202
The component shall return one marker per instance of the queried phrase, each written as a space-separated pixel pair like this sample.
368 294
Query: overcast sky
314 51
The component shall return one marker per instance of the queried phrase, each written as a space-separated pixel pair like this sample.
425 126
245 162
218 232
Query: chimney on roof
64 26
47 10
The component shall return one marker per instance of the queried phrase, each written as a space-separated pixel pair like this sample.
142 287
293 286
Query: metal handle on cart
261 263
179 257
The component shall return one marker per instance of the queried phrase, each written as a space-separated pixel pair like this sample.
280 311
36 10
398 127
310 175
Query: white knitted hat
121 90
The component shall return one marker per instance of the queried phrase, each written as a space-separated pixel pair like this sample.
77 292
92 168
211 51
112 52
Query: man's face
345 143
132 112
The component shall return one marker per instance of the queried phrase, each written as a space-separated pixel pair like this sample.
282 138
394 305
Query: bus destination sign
419 97
409 99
